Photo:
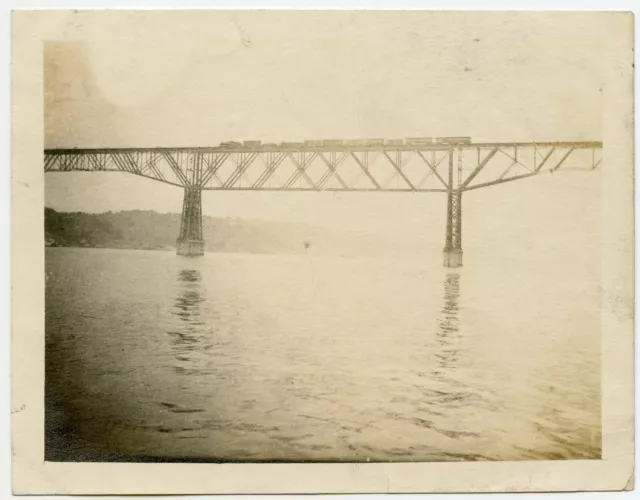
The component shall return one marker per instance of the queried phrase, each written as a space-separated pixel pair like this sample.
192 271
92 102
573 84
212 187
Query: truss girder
398 168
510 163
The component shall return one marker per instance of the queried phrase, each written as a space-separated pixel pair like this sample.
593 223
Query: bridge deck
327 149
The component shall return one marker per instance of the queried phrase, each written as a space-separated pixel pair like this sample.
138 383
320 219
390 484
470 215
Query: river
241 357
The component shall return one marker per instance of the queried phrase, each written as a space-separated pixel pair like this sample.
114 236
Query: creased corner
631 482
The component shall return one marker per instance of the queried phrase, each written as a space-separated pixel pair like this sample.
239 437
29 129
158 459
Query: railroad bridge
452 166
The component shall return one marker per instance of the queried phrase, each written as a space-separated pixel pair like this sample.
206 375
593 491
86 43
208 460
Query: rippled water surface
259 357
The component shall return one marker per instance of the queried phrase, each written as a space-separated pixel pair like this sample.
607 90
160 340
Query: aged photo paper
322 251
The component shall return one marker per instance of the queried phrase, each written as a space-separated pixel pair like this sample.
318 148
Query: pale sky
198 78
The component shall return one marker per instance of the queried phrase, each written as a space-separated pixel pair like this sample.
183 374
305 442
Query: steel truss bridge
452 169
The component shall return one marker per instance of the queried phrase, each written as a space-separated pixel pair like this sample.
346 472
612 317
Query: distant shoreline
220 252
149 230
95 247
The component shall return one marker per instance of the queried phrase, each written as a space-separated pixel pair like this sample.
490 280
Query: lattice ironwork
191 225
307 168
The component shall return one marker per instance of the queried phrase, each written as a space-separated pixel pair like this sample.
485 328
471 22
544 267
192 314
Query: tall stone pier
190 242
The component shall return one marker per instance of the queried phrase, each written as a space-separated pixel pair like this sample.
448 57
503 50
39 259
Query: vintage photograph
288 243
261 240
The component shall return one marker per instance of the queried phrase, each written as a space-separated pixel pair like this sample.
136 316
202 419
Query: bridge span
451 166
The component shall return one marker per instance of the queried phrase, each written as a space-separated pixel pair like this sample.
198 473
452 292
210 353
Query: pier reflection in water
449 322
249 357
188 334
449 393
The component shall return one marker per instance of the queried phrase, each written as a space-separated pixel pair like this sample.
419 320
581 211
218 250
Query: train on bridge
409 141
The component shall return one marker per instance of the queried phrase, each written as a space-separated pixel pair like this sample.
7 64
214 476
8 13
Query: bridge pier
453 257
452 253
190 242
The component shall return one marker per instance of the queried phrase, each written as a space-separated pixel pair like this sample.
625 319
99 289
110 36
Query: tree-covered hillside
146 229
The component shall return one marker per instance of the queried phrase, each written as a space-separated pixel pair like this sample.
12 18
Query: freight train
349 143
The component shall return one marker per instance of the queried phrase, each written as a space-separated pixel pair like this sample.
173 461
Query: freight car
393 142
454 140
416 141
332 142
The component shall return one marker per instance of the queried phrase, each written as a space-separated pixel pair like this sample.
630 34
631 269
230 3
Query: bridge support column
453 244
452 253
190 242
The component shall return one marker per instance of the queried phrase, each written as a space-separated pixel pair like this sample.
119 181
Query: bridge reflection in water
449 323
187 335
450 394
